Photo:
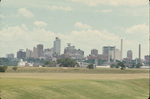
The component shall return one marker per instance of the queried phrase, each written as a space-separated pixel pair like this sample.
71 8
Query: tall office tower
140 52
28 53
21 54
121 55
108 50
57 46
117 53
35 53
94 52
39 50
129 55
147 59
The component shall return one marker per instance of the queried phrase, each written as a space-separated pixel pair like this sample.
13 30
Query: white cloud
138 29
54 8
40 24
20 37
113 2
82 26
23 12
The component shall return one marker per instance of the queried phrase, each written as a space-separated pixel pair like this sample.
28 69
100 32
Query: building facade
147 59
48 53
106 49
110 51
39 50
9 55
35 53
21 54
103 57
29 53
57 46
94 52
129 55
71 52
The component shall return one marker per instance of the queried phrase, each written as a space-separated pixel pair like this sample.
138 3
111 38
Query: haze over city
86 25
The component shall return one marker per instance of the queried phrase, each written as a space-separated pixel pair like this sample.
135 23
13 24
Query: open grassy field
74 85
75 70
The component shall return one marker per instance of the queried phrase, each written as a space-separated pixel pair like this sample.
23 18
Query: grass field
132 84
75 70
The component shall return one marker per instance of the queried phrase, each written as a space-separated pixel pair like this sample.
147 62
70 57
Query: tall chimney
139 52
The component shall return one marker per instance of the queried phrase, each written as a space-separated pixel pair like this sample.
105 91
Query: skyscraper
21 54
129 55
35 53
39 50
140 52
121 55
28 53
108 50
57 46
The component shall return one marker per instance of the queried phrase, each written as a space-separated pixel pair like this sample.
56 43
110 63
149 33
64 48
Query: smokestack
140 52
121 48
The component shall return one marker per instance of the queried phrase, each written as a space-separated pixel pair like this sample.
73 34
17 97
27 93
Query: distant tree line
8 62
92 61
123 66
65 62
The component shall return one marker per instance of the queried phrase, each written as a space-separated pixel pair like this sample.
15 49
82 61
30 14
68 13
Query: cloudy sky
86 24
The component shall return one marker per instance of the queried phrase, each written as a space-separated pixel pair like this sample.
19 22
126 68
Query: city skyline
113 51
87 25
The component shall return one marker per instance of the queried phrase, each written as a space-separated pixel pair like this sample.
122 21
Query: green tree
49 64
67 62
91 66
112 65
3 68
14 68
8 61
121 64
138 65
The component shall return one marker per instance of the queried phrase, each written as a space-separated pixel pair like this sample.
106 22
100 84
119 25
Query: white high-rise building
57 46
115 55
118 54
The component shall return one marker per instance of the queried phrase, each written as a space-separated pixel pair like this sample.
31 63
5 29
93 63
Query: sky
86 24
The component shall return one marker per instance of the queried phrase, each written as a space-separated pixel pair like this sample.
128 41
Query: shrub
113 65
49 64
3 68
138 65
90 66
67 62
15 68
122 65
